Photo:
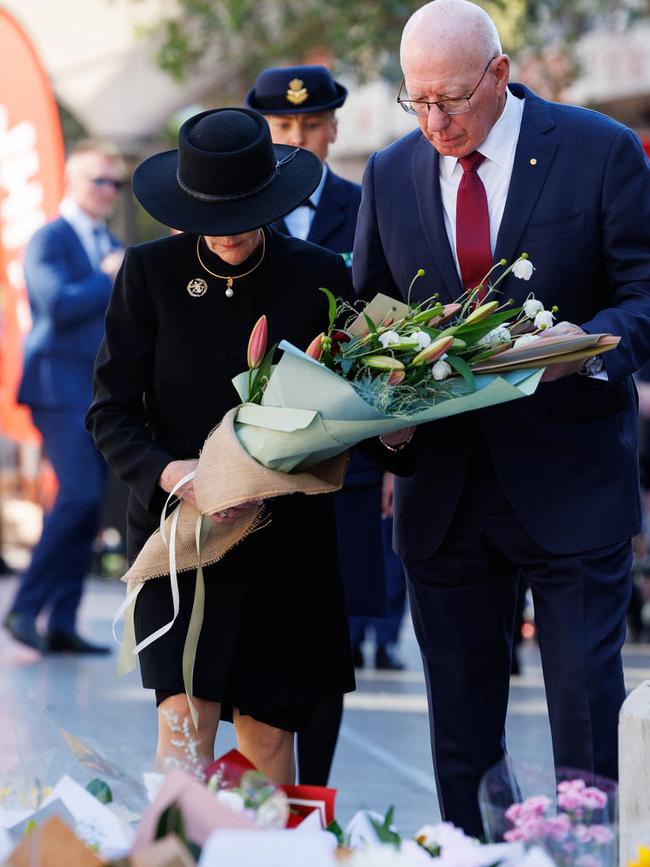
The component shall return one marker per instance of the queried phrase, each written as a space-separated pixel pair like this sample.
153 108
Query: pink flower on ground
515 835
570 801
558 827
593 798
537 805
582 834
514 812
601 834
532 827
571 786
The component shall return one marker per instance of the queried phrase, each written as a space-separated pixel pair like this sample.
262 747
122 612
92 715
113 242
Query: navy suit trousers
462 602
386 628
62 556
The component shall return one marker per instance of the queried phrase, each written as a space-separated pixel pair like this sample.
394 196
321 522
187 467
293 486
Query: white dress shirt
495 171
93 234
299 221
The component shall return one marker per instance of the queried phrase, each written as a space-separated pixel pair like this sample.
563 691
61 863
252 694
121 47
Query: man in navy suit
70 264
547 485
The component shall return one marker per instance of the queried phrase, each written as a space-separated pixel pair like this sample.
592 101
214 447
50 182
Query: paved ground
383 756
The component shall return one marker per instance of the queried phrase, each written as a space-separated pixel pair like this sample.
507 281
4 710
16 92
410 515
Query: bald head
453 30
454 74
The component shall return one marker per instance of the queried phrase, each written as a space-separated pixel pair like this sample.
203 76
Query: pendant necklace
231 280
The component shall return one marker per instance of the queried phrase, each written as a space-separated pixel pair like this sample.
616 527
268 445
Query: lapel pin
533 162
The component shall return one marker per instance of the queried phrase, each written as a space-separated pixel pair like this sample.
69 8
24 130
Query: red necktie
472 225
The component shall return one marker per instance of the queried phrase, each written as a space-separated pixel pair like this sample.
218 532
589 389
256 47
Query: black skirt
275 637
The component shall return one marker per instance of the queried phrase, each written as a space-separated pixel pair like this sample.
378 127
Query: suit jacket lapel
77 243
426 181
533 157
330 213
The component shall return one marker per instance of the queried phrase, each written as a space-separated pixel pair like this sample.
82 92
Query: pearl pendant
229 292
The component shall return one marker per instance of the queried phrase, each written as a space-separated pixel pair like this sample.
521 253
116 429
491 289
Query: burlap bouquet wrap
227 476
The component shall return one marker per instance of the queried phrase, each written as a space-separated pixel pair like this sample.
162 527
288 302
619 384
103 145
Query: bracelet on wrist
397 448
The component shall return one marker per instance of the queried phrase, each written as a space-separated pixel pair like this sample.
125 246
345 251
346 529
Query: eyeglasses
459 105
107 182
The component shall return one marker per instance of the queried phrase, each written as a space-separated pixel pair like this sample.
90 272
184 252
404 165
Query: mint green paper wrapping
309 414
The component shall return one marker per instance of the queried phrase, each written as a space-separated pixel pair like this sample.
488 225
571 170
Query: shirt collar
78 218
315 196
501 141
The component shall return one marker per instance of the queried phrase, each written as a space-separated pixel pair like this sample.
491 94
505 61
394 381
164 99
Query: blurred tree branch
362 36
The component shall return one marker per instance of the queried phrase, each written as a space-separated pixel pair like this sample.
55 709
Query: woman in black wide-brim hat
274 638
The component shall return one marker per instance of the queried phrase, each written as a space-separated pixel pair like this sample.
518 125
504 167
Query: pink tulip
257 343
315 348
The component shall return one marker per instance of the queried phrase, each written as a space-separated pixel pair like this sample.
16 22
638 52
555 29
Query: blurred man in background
70 264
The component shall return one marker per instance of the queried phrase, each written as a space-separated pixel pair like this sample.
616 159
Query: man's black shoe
385 660
357 657
58 641
22 628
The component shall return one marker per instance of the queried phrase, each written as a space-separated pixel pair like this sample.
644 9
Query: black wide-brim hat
226 177
295 90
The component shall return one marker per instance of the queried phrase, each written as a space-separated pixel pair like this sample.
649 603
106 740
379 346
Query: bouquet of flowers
571 814
577 834
403 358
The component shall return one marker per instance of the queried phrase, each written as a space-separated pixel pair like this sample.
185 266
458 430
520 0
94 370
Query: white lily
441 370
544 320
523 269
388 338
532 307
500 334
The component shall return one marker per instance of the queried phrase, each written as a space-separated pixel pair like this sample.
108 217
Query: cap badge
297 92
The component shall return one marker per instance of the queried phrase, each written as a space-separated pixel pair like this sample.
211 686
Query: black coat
162 382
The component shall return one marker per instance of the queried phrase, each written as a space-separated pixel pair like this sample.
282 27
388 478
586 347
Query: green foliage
384 830
244 36
260 377
462 367
335 828
100 790
247 35
331 300
171 822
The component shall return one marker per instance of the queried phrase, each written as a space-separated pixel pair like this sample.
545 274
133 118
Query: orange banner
31 186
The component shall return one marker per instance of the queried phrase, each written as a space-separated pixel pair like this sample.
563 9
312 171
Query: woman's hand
171 476
397 438
174 472
230 515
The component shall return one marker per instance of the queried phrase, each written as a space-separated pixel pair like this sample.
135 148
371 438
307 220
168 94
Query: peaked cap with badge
295 90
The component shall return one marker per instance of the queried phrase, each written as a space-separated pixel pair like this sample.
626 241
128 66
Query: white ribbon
173 576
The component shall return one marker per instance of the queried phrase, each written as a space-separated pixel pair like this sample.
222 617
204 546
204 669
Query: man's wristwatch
592 366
